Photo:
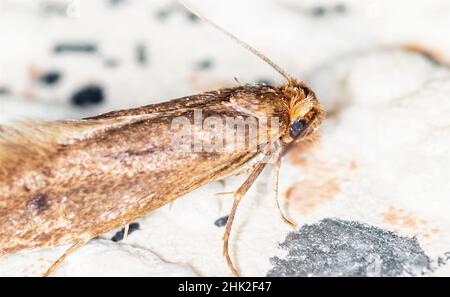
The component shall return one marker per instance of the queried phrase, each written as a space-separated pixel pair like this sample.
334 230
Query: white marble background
383 157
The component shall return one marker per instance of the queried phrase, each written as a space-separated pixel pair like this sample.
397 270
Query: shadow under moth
67 182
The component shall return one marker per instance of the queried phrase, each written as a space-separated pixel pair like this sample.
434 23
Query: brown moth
68 182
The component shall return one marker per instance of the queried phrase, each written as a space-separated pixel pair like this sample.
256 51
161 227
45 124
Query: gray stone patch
347 248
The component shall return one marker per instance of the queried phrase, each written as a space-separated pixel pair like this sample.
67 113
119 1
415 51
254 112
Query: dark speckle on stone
340 8
116 2
318 11
87 96
163 14
192 17
53 8
443 260
38 203
141 54
50 78
205 64
4 91
347 248
119 234
85 48
111 62
220 222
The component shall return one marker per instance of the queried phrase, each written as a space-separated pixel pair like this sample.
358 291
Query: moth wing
22 141
120 166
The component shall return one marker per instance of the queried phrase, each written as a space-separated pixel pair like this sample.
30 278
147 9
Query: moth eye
297 127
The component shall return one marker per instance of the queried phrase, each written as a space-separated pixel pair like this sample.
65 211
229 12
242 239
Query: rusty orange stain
428 52
306 195
320 184
321 180
299 153
400 219
33 72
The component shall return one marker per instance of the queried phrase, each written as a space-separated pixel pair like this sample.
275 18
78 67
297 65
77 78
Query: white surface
382 159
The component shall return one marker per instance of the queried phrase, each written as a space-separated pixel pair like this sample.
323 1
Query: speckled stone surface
380 167
345 248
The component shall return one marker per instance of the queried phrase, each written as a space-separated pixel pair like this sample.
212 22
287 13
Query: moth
67 182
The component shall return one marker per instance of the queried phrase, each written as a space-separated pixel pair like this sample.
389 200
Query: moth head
305 113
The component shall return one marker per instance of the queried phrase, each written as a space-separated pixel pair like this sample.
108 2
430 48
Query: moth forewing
68 182
100 179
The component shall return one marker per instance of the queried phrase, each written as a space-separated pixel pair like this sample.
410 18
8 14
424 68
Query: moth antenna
239 41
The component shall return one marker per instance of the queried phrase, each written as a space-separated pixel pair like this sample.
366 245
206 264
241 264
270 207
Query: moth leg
58 262
126 230
276 174
224 193
237 198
